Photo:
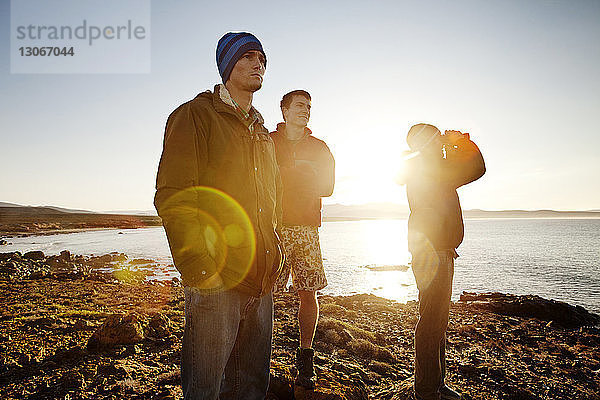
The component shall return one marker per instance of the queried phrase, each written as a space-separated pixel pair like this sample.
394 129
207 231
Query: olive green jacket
218 192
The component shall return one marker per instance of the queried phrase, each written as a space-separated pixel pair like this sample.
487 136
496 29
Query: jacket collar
223 102
281 130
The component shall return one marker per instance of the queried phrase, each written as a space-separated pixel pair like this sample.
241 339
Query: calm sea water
553 258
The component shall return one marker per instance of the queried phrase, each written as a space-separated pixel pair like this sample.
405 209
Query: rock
24 359
38 274
382 368
81 325
159 327
3 242
111 258
34 255
531 306
72 380
519 393
281 382
65 256
169 378
345 391
117 330
13 255
404 390
39 321
63 355
8 267
62 264
141 261
118 370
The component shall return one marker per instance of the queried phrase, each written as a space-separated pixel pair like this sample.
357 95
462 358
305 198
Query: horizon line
388 204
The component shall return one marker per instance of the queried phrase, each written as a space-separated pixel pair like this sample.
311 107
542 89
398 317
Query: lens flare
210 235
425 262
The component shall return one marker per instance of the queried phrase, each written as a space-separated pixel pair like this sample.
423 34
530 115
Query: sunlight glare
390 276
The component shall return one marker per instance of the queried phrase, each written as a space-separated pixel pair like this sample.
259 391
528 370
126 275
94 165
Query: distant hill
44 208
131 212
41 220
2 204
69 210
15 218
27 210
530 214
33 209
339 212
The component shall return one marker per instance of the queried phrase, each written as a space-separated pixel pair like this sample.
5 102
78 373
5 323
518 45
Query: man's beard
253 87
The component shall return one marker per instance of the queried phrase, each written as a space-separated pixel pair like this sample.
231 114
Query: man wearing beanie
438 166
307 172
218 192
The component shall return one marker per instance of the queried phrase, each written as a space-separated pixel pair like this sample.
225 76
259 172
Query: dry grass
336 310
367 350
345 329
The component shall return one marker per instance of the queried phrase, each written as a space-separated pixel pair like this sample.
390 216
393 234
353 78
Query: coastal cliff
70 330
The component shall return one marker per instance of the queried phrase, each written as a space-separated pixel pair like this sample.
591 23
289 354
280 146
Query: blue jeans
226 351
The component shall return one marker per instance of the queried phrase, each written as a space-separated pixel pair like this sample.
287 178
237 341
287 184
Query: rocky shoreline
71 330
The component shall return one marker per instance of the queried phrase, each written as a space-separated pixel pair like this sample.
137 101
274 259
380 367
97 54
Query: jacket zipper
258 221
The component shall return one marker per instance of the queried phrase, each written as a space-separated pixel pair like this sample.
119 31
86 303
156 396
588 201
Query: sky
523 78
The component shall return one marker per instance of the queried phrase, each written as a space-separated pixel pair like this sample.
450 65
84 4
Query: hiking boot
447 393
413 396
305 367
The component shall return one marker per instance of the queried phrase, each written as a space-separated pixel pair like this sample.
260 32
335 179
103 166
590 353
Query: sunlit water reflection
554 258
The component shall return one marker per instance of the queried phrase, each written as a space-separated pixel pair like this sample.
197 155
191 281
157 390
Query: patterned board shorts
303 259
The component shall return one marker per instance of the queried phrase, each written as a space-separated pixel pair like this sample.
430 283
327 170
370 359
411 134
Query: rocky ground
70 330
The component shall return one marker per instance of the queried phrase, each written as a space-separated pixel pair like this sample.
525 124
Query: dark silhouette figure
437 166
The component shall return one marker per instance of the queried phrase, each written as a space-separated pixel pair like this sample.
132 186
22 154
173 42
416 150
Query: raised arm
464 162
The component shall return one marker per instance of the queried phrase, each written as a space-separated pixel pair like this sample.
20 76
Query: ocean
553 258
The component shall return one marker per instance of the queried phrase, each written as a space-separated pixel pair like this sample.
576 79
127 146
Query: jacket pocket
189 250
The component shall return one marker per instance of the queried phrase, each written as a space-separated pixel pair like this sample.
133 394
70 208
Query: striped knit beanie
421 135
231 48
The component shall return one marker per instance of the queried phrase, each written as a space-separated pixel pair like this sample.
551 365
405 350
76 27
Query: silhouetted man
307 172
218 194
435 230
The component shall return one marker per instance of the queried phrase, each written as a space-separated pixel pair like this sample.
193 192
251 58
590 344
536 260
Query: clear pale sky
523 78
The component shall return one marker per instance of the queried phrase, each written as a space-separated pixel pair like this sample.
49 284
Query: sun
371 178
